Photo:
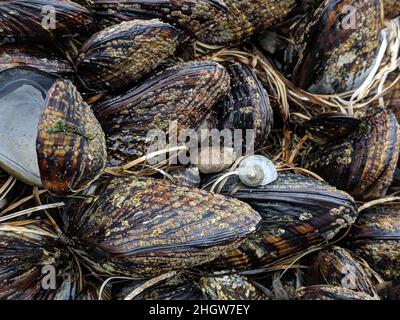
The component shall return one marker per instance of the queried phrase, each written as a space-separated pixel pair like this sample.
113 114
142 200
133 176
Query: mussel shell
184 93
176 288
65 149
187 177
121 54
331 126
297 212
26 20
36 57
331 293
196 17
147 226
335 56
25 251
247 105
376 238
338 266
392 8
364 162
230 287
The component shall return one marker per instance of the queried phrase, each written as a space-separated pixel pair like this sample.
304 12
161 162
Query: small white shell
257 171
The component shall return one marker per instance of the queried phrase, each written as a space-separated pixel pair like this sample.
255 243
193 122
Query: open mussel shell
339 46
376 238
121 54
184 93
392 8
230 287
297 213
331 126
43 20
340 267
49 136
325 292
34 265
364 162
246 106
147 226
12 55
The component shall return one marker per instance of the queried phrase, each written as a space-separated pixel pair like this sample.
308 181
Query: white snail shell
257 171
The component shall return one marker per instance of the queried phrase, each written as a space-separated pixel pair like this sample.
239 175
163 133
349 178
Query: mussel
376 238
121 54
246 106
297 213
339 46
43 20
34 265
324 292
363 162
340 267
49 136
184 93
147 226
12 55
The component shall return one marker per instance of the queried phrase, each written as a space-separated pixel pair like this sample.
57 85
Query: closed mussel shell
338 266
184 93
34 266
324 292
147 226
339 46
297 212
246 106
36 57
364 162
43 20
50 138
376 238
230 287
121 54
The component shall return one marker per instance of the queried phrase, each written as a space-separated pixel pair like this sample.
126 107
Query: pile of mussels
83 83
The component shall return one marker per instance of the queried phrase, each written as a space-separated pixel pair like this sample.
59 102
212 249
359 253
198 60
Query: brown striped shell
147 226
246 106
12 55
340 267
184 93
29 20
362 163
297 213
50 137
28 254
334 55
121 54
330 293
376 238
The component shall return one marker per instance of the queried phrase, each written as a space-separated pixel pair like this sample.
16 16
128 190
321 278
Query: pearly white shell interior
21 104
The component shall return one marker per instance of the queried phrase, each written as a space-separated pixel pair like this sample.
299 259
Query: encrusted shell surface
340 267
331 293
246 106
362 163
376 238
31 20
183 94
297 212
26 251
339 46
147 226
12 55
392 8
121 54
